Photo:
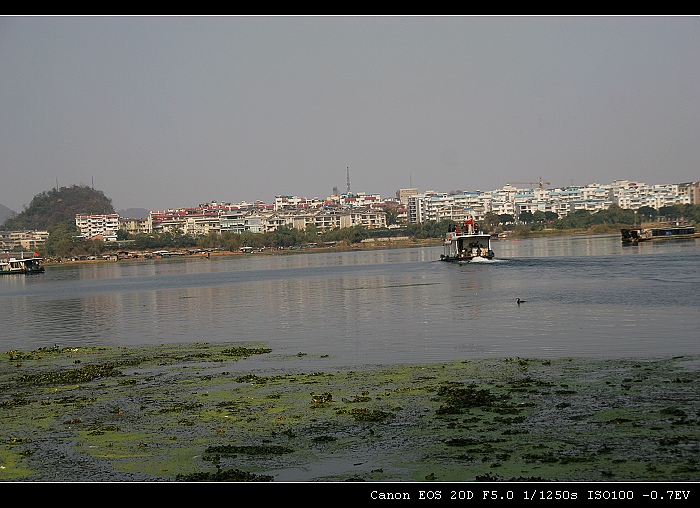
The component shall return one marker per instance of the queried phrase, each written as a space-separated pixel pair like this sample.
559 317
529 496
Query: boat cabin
467 244
21 265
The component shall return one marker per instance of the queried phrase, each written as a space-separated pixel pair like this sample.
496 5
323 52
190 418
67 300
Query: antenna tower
348 172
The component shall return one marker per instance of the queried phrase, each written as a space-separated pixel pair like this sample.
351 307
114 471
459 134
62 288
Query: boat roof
473 235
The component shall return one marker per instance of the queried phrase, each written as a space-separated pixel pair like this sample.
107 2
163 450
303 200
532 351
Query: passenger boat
467 245
22 265
636 235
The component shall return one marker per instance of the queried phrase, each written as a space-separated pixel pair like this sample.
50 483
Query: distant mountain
134 213
5 213
52 207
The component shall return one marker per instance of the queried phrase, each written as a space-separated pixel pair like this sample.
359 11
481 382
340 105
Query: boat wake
479 259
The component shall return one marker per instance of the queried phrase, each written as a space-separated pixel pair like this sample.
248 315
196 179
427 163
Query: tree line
612 217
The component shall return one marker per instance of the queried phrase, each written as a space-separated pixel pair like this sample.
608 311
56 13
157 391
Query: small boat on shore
467 245
22 265
635 235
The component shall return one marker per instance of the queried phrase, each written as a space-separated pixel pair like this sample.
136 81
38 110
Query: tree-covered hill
55 206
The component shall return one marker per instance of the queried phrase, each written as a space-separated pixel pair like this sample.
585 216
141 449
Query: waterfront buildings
238 219
25 240
515 201
409 205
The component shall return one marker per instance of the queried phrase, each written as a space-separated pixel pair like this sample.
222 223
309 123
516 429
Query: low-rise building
25 240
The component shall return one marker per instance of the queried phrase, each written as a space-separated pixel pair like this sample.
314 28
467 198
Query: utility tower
541 183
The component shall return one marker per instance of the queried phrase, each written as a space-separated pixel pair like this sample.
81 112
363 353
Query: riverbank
373 244
241 412
381 243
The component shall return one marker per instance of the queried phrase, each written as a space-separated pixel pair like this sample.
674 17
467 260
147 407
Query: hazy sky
164 112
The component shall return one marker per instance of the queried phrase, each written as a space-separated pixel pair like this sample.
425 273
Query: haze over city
162 112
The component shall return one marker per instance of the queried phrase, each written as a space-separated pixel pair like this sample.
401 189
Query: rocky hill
55 206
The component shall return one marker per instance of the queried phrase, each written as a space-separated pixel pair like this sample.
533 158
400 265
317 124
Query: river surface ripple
583 296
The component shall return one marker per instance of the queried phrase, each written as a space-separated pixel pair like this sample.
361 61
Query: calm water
585 296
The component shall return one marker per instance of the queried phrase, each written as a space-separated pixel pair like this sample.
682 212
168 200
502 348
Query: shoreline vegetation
241 412
370 244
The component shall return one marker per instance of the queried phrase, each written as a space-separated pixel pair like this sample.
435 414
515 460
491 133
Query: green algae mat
216 412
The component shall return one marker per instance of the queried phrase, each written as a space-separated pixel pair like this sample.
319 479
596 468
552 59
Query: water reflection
585 296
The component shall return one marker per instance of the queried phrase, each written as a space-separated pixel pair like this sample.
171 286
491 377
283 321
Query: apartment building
201 225
403 195
25 240
295 202
240 221
104 227
692 190
134 226
367 217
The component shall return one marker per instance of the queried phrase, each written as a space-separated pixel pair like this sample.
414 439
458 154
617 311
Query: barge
636 235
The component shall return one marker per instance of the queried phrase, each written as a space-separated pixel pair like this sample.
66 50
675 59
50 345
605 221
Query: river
584 296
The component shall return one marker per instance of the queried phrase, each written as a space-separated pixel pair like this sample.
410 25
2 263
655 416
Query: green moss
12 465
245 351
180 411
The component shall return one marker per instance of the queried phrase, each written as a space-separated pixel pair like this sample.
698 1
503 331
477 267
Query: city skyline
158 111
519 185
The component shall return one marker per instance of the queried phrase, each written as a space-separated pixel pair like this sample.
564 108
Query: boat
467 245
22 265
635 235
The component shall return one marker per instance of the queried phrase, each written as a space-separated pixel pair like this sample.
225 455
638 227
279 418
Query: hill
5 213
134 213
55 206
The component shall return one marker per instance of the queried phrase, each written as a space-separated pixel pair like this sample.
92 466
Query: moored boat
22 265
636 235
467 245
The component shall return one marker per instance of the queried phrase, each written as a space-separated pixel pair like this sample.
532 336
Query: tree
691 212
431 229
550 216
526 217
539 216
505 218
358 234
64 242
61 239
250 239
579 219
211 240
284 236
311 232
491 220
673 212
392 214
646 213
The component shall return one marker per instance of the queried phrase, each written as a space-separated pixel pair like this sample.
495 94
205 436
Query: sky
174 111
